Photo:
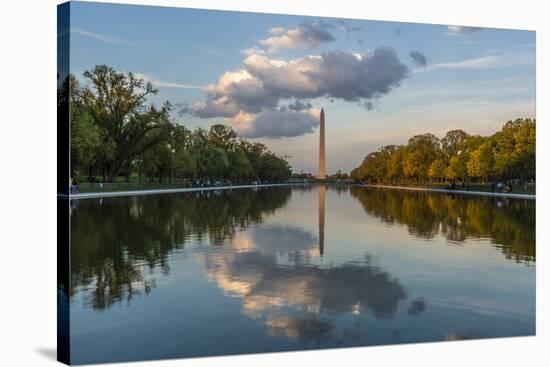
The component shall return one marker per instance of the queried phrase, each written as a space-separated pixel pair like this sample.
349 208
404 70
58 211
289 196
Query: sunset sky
269 75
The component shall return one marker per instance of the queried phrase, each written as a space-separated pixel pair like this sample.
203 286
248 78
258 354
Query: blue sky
269 75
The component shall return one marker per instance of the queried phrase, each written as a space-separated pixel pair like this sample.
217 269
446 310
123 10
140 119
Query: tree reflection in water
115 241
120 245
119 242
508 223
296 276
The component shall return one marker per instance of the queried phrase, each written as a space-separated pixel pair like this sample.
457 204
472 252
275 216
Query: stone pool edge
465 192
91 195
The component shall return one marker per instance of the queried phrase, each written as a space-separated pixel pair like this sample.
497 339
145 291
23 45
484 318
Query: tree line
116 132
507 154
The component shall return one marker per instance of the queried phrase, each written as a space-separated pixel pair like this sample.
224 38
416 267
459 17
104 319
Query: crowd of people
501 187
496 186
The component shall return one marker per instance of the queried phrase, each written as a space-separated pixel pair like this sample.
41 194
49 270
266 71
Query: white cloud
264 81
254 50
165 84
306 35
458 29
268 95
101 37
277 30
346 27
483 62
275 123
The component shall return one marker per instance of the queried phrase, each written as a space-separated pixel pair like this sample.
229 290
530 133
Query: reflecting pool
293 268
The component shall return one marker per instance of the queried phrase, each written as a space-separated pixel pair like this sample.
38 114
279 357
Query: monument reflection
321 203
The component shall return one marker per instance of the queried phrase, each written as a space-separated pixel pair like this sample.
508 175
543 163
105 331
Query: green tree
222 136
437 169
422 150
395 164
509 153
481 162
218 163
239 165
514 149
184 161
86 138
117 103
452 143
274 168
458 167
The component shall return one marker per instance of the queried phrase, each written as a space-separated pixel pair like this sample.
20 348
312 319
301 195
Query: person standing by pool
74 187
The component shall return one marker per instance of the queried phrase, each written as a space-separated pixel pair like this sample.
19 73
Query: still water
277 269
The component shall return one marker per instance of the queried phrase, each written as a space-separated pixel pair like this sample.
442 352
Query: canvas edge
63 168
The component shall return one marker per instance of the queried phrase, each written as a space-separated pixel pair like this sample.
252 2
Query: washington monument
322 168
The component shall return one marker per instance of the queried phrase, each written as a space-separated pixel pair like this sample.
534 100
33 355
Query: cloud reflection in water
276 273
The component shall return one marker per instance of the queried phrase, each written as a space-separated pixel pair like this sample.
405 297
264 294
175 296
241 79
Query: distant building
322 168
